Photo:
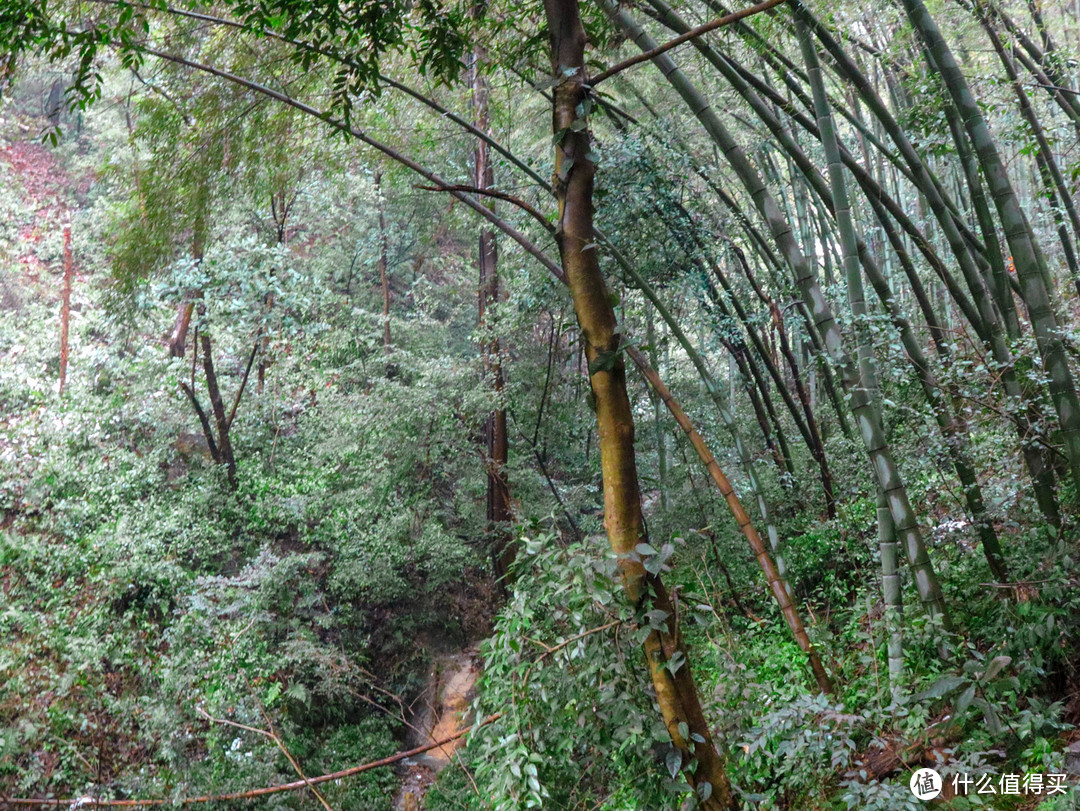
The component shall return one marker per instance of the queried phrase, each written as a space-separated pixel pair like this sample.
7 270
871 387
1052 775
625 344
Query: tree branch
277 741
208 432
527 244
243 382
693 33
498 195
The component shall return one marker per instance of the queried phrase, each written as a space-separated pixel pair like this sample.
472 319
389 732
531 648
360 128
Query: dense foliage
250 398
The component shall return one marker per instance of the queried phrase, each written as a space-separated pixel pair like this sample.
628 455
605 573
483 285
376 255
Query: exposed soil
445 711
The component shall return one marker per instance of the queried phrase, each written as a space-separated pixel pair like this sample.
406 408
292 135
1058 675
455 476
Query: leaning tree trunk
772 575
676 692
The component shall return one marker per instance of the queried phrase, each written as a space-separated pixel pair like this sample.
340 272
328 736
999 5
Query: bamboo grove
848 202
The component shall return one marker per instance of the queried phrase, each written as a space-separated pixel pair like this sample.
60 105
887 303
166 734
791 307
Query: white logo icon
925 784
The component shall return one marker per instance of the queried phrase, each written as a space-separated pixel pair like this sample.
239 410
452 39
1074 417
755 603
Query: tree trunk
217 405
384 277
65 306
676 692
497 450
178 339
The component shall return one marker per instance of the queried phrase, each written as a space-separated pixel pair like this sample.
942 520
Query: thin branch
556 648
277 741
547 477
693 33
498 195
547 381
243 382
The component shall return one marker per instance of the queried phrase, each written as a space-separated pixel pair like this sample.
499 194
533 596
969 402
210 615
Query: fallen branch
81 802
277 741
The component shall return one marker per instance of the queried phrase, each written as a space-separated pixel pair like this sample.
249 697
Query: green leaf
656 617
673 762
272 693
704 790
997 664
604 362
645 550
965 700
941 687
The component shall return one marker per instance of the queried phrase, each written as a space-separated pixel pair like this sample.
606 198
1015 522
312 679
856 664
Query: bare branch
243 382
498 195
693 33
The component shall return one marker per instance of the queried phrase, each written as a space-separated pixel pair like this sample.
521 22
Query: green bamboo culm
1031 270
890 576
885 469
852 248
986 320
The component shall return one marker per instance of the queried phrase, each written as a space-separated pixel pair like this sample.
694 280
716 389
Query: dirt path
48 195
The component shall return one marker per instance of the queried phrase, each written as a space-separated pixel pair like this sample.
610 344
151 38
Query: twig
556 648
547 477
1017 584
